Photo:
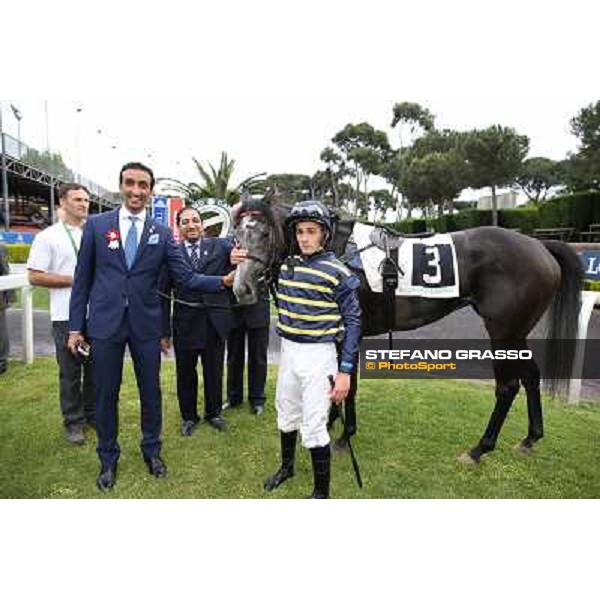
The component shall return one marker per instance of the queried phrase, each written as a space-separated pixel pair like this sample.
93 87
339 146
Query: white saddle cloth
429 264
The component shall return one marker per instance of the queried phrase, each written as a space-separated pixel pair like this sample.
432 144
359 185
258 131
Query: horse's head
259 229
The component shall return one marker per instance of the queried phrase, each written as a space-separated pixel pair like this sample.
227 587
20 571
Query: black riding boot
321 463
288 451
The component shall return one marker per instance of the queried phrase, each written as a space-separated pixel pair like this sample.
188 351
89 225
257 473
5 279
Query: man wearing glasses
199 324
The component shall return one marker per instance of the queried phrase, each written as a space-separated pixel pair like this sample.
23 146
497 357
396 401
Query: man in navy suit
249 322
115 303
201 324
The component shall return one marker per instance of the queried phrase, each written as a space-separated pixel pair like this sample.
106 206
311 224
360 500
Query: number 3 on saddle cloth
427 266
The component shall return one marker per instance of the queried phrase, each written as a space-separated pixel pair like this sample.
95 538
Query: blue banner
591 263
160 209
16 237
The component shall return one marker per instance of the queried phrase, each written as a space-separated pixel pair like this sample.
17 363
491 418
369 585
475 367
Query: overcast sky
272 82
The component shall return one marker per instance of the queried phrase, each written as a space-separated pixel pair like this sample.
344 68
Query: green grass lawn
410 433
41 299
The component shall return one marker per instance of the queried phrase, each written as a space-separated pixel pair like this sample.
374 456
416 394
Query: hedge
18 253
591 285
523 219
409 226
576 210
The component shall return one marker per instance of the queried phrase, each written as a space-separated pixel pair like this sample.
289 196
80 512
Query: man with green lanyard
51 264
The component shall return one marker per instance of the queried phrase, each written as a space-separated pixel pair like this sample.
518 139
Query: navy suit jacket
190 323
106 289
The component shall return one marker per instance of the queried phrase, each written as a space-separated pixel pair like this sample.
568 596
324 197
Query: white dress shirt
125 224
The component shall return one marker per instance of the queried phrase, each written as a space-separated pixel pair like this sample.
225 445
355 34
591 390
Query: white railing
588 301
20 281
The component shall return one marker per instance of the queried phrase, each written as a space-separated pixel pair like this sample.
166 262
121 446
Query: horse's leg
530 378
511 280
507 387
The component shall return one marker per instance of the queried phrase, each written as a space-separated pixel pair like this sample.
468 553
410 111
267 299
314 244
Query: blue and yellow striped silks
308 311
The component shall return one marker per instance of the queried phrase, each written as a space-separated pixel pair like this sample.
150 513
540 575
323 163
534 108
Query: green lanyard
71 238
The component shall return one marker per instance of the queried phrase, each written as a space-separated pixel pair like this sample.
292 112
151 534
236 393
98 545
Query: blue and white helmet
310 210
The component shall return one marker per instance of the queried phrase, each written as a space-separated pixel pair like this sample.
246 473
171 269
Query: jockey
318 306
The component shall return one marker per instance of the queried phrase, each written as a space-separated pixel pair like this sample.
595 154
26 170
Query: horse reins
194 304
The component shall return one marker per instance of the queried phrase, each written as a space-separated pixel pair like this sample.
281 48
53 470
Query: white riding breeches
303 387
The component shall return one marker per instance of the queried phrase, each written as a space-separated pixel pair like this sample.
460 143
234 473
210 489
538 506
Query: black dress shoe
107 478
156 466
74 434
259 409
218 423
188 427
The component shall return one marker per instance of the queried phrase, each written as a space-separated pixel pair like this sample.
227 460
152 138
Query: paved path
462 324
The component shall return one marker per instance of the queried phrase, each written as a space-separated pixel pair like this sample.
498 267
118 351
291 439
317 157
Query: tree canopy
217 182
361 151
437 177
287 187
495 157
582 170
538 176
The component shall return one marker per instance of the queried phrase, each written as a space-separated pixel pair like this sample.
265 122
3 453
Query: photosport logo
466 359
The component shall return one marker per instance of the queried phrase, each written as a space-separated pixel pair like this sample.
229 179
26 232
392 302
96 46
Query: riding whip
352 455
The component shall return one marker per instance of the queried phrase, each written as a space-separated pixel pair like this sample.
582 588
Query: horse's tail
563 318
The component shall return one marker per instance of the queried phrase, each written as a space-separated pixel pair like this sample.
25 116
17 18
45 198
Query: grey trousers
4 344
77 402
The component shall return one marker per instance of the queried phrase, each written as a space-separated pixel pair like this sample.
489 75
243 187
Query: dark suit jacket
105 288
190 323
252 316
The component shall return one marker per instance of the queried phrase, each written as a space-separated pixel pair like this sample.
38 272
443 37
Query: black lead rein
194 304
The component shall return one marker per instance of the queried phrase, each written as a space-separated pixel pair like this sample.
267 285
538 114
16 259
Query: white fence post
27 323
20 281
588 301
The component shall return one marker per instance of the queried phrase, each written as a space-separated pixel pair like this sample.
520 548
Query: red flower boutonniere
113 236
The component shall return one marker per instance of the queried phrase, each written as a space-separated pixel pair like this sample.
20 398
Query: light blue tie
131 242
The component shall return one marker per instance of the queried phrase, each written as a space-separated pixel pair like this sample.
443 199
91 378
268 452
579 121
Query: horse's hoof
523 449
466 459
